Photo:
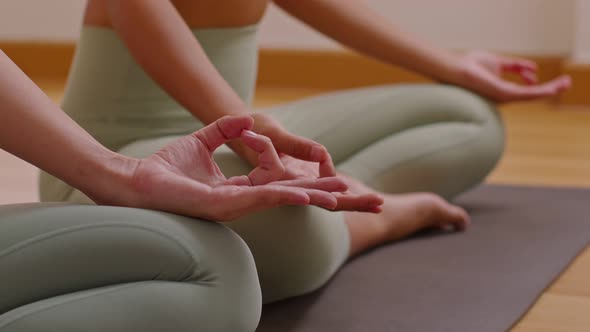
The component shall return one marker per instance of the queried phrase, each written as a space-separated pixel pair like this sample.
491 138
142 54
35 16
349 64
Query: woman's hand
183 178
295 146
482 73
304 159
347 201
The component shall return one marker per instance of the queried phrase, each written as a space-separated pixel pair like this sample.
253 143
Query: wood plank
575 280
557 313
580 93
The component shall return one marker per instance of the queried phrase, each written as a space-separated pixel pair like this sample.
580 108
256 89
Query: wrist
107 178
461 72
453 69
265 125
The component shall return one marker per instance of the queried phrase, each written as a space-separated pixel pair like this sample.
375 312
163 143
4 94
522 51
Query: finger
305 149
365 203
322 199
231 202
299 147
512 92
318 190
327 168
242 180
223 130
376 209
329 184
269 167
517 64
525 69
529 77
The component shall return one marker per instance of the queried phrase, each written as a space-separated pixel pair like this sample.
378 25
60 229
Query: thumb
305 149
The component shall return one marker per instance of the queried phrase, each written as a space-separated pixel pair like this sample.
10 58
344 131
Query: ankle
366 230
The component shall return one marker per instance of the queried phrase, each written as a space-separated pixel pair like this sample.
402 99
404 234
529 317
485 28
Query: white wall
581 51
46 20
542 27
521 26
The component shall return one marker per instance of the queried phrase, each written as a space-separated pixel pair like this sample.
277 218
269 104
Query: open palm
183 178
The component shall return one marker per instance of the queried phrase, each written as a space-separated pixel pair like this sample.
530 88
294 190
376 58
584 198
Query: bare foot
401 216
405 214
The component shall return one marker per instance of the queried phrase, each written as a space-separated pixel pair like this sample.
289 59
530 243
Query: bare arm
36 130
163 44
354 24
181 178
167 50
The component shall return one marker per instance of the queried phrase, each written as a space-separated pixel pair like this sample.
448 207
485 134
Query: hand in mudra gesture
304 159
183 178
482 73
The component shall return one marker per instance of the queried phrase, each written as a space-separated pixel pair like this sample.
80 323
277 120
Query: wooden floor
547 145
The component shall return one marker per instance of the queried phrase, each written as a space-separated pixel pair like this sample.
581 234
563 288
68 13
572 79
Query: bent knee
456 143
470 107
76 248
296 249
429 105
488 141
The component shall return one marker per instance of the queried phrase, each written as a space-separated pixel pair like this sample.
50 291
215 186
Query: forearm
33 128
162 43
356 25
164 46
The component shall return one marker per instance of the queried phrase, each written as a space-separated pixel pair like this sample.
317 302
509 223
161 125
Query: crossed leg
416 145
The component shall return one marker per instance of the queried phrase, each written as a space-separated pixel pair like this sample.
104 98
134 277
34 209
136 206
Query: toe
461 219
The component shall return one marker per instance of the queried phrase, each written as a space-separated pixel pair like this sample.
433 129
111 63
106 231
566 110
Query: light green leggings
67 268
394 138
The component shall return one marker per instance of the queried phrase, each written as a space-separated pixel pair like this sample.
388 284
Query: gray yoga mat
482 280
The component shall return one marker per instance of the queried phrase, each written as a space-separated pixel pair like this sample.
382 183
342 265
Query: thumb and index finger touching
305 149
527 70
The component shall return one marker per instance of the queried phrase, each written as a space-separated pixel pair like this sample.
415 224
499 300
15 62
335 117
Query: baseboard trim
326 70
343 69
41 59
580 92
